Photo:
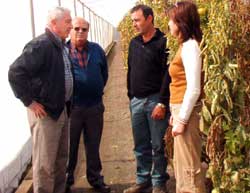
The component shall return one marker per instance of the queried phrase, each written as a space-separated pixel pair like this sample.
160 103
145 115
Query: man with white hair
41 78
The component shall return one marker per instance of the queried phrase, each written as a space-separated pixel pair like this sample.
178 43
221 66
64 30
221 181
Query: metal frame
101 31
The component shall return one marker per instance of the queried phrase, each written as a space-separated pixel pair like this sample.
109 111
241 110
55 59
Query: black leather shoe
67 189
102 188
70 179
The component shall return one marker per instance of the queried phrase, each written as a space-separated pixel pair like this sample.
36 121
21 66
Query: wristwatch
161 105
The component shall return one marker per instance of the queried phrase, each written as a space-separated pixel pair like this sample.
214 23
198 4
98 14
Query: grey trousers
49 153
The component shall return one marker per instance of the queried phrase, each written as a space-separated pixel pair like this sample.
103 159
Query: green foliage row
228 139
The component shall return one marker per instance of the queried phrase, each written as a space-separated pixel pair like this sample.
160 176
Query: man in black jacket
148 91
41 78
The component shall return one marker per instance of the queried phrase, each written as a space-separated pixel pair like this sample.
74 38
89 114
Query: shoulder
96 46
160 35
38 43
135 42
134 39
190 46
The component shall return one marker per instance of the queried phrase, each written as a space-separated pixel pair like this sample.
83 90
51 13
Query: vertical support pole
75 8
83 12
32 19
91 38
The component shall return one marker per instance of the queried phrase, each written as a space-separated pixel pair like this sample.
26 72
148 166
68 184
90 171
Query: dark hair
146 10
186 17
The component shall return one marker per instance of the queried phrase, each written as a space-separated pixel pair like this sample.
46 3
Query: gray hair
56 13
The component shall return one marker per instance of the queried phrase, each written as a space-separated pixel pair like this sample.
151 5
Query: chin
81 42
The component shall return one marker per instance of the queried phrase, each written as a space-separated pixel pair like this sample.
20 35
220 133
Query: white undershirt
191 60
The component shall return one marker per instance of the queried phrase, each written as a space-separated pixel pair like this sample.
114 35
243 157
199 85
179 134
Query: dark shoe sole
102 190
147 190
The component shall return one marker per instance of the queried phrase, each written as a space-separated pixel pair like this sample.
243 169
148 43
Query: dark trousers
90 122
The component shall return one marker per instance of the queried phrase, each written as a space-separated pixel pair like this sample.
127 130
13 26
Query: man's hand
37 109
178 129
158 113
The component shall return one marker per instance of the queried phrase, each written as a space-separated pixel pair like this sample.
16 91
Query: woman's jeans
148 141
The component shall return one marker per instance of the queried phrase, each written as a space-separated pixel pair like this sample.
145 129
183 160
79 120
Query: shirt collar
85 48
157 35
62 42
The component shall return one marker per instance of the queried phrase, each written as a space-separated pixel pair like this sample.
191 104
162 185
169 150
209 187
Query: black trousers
90 122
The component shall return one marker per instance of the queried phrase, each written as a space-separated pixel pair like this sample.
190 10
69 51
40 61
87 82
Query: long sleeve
22 70
104 68
165 91
192 63
128 73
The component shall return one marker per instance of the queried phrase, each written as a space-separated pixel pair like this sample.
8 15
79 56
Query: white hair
56 13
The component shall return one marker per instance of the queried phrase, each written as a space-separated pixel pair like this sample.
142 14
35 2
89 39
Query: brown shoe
160 189
140 188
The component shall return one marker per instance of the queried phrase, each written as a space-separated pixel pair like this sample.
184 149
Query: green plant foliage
226 105
225 91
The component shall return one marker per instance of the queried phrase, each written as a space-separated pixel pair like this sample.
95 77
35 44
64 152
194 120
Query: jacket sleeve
164 91
104 66
22 70
128 73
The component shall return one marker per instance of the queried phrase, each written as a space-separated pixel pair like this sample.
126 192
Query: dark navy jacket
89 81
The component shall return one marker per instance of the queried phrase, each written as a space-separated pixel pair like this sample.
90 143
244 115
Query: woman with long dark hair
185 91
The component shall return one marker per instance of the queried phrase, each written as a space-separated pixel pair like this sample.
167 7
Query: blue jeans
148 141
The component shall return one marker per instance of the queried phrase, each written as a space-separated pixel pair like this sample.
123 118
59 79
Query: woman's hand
171 120
178 129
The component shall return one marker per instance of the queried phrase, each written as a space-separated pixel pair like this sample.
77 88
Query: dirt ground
117 144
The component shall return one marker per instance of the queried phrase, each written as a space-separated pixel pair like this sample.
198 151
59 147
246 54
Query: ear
150 18
53 22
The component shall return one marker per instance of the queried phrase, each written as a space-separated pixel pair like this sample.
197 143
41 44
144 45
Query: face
173 28
63 26
140 23
79 33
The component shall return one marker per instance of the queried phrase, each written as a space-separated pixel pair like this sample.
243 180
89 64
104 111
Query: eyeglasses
80 28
